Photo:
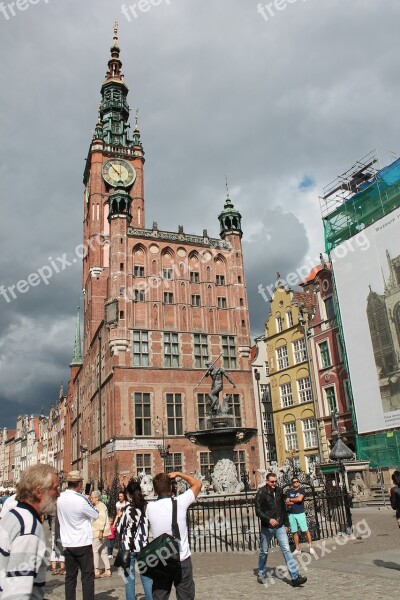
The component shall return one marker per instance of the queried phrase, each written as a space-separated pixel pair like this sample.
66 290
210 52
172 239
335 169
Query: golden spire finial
116 33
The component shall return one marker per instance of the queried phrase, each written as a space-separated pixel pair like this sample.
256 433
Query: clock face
116 170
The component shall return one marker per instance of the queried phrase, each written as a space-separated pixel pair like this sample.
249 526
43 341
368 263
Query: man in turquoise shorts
297 517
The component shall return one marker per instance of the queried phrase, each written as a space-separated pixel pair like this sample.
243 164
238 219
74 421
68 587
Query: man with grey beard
22 539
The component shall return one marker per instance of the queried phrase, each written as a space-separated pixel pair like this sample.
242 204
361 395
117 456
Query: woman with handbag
133 528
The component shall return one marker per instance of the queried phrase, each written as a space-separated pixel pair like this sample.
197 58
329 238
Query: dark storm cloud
220 90
265 254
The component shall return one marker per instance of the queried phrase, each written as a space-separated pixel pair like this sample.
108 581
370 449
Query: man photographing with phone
159 514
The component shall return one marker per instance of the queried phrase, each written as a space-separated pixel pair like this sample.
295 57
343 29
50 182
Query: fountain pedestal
220 438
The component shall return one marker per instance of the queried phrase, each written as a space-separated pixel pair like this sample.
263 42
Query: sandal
62 572
54 572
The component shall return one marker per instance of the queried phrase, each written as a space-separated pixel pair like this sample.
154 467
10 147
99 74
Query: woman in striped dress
133 528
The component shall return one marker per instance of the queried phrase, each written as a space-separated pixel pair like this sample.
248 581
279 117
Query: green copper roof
113 124
77 355
230 219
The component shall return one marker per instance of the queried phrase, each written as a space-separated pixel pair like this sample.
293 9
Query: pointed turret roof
230 219
113 123
115 64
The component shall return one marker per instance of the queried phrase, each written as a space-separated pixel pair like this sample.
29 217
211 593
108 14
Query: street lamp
257 377
246 529
338 454
162 448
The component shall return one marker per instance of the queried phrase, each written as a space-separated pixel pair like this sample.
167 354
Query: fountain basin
221 437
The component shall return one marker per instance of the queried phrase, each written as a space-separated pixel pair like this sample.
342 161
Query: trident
205 374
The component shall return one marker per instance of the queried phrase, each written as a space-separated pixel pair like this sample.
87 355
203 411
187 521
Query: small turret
230 219
119 203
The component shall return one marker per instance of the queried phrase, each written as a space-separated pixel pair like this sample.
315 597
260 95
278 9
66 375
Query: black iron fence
229 524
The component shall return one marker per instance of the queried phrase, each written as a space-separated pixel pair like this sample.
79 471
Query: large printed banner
367 275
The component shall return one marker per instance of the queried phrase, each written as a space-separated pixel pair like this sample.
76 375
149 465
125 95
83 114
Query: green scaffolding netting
345 219
376 200
382 449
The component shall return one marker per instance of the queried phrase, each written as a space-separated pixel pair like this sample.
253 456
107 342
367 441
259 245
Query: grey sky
281 106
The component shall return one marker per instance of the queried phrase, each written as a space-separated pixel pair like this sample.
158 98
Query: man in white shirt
75 514
10 503
159 514
23 557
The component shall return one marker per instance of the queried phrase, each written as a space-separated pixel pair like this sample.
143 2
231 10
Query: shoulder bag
160 558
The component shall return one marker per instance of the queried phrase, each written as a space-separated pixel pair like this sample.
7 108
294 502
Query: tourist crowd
88 531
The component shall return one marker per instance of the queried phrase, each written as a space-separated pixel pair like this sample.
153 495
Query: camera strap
174 526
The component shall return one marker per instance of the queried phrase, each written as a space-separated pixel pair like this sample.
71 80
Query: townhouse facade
297 430
330 374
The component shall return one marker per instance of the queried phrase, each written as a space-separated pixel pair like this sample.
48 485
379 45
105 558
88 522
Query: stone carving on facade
224 478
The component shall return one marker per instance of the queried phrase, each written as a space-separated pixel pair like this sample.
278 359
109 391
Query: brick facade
157 304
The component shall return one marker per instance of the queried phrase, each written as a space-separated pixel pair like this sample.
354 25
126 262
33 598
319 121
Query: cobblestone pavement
366 564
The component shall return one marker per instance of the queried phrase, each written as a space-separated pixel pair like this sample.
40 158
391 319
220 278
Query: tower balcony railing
120 150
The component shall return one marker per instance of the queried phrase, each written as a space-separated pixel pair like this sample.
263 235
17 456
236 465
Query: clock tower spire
114 109
114 192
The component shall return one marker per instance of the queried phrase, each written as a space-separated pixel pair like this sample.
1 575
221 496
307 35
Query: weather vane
116 33
226 184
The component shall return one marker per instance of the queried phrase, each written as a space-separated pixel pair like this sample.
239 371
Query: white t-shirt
159 514
75 514
120 505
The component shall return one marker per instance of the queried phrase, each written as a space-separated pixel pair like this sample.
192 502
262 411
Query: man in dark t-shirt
297 517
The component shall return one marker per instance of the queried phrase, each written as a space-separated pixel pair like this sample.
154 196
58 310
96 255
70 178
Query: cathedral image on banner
367 279
383 314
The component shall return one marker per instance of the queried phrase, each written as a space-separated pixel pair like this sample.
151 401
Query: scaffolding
362 195
358 198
